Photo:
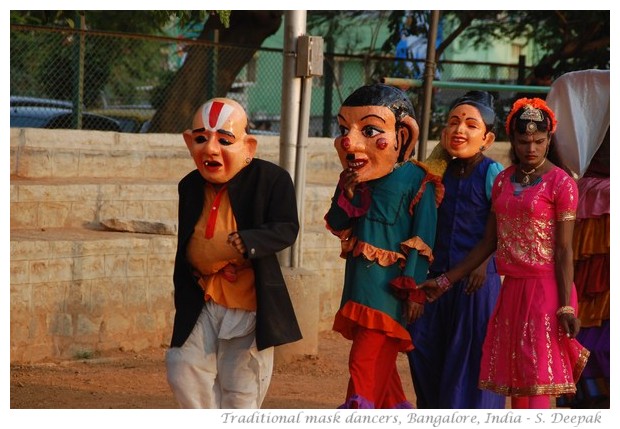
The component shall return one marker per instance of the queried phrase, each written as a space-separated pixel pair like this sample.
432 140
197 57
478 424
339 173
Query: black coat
263 200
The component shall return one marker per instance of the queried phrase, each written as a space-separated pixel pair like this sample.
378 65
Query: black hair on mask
380 94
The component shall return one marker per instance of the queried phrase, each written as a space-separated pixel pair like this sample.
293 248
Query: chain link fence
63 78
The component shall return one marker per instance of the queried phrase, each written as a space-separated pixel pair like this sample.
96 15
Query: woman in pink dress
530 352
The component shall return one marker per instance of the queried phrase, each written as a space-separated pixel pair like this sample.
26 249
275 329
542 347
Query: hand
234 239
230 273
476 279
569 324
349 179
431 289
413 311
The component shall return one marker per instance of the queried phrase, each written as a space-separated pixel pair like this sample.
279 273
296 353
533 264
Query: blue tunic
445 364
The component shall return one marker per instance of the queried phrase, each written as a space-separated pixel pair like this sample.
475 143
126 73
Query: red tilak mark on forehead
214 113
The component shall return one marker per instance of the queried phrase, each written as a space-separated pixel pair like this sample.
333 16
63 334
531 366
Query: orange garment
374 379
226 276
594 311
591 243
352 315
591 237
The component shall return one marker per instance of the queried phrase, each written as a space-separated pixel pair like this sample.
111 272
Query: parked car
58 117
133 119
20 100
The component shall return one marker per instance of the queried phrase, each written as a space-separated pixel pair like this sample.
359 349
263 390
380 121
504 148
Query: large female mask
378 130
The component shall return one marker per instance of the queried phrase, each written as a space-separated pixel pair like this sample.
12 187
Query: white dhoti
219 365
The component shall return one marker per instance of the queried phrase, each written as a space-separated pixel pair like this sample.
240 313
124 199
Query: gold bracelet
567 309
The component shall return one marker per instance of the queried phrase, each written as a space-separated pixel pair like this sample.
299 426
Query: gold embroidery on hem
549 389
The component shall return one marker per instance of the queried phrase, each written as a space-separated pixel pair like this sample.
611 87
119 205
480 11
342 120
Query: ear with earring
247 160
483 148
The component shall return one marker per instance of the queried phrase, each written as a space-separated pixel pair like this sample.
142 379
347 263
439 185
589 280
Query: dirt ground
128 380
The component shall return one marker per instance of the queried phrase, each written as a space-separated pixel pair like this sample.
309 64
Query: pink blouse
526 220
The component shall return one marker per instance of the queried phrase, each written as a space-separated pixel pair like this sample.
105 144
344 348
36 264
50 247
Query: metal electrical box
309 56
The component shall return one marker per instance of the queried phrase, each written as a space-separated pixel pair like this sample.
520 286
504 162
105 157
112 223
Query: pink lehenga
525 352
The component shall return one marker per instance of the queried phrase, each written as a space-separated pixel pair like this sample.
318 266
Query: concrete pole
294 26
429 75
300 166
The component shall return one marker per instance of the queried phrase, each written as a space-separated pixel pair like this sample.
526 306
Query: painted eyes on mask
203 139
370 131
367 131
469 124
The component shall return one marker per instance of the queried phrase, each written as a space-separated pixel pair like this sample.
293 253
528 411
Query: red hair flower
531 103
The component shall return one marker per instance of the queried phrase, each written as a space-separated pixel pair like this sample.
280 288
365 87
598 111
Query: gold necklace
526 178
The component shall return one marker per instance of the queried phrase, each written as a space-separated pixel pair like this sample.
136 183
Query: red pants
374 382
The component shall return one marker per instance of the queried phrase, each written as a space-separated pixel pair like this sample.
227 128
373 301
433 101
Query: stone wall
77 287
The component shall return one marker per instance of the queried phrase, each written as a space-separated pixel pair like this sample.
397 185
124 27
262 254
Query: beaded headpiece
532 110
